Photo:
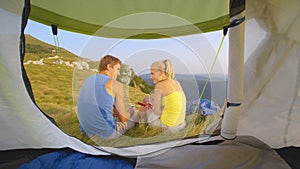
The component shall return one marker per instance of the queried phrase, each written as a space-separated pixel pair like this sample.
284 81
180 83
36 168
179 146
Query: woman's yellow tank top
174 109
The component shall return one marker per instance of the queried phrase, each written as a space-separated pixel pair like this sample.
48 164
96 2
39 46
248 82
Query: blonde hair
166 66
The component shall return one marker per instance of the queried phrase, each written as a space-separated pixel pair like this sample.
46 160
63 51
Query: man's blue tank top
95 107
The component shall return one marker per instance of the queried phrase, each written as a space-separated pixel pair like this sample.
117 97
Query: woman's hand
143 109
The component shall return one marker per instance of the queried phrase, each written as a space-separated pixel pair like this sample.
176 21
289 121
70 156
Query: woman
101 98
169 101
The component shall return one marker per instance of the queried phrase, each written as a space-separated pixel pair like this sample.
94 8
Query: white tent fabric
271 103
235 79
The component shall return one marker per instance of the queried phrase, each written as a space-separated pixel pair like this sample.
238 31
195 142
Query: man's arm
122 103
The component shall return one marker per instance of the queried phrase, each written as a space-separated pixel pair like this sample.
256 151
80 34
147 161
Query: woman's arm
157 100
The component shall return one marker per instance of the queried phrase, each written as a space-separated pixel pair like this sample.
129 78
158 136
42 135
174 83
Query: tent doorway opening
57 69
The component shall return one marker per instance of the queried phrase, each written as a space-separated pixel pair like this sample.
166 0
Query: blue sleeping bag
207 107
67 160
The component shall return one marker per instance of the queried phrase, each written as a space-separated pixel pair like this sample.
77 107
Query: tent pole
235 79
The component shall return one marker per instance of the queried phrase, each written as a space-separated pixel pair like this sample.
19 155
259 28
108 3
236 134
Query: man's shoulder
115 83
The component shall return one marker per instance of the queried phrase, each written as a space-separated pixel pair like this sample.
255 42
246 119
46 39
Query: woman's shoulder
162 84
168 86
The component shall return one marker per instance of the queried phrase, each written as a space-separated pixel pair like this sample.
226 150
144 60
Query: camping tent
262 113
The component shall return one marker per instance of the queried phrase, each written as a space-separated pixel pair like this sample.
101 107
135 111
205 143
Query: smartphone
147 105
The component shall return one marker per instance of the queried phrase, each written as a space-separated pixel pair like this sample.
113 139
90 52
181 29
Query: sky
192 54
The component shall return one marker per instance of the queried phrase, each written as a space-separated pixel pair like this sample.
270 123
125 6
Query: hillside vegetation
56 77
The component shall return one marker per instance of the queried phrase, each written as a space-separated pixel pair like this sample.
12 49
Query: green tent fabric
145 19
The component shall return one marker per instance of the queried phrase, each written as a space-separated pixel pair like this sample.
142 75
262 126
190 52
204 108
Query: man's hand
115 112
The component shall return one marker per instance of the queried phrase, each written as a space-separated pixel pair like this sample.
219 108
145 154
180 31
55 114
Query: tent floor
243 152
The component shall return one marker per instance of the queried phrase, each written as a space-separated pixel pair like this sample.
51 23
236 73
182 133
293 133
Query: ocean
193 85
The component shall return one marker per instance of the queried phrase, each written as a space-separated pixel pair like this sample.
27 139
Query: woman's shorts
154 121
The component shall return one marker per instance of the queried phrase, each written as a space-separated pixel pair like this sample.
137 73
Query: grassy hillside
56 86
37 49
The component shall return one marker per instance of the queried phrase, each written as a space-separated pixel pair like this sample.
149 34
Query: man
101 98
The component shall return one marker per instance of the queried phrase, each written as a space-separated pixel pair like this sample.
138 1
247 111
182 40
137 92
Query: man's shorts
121 128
